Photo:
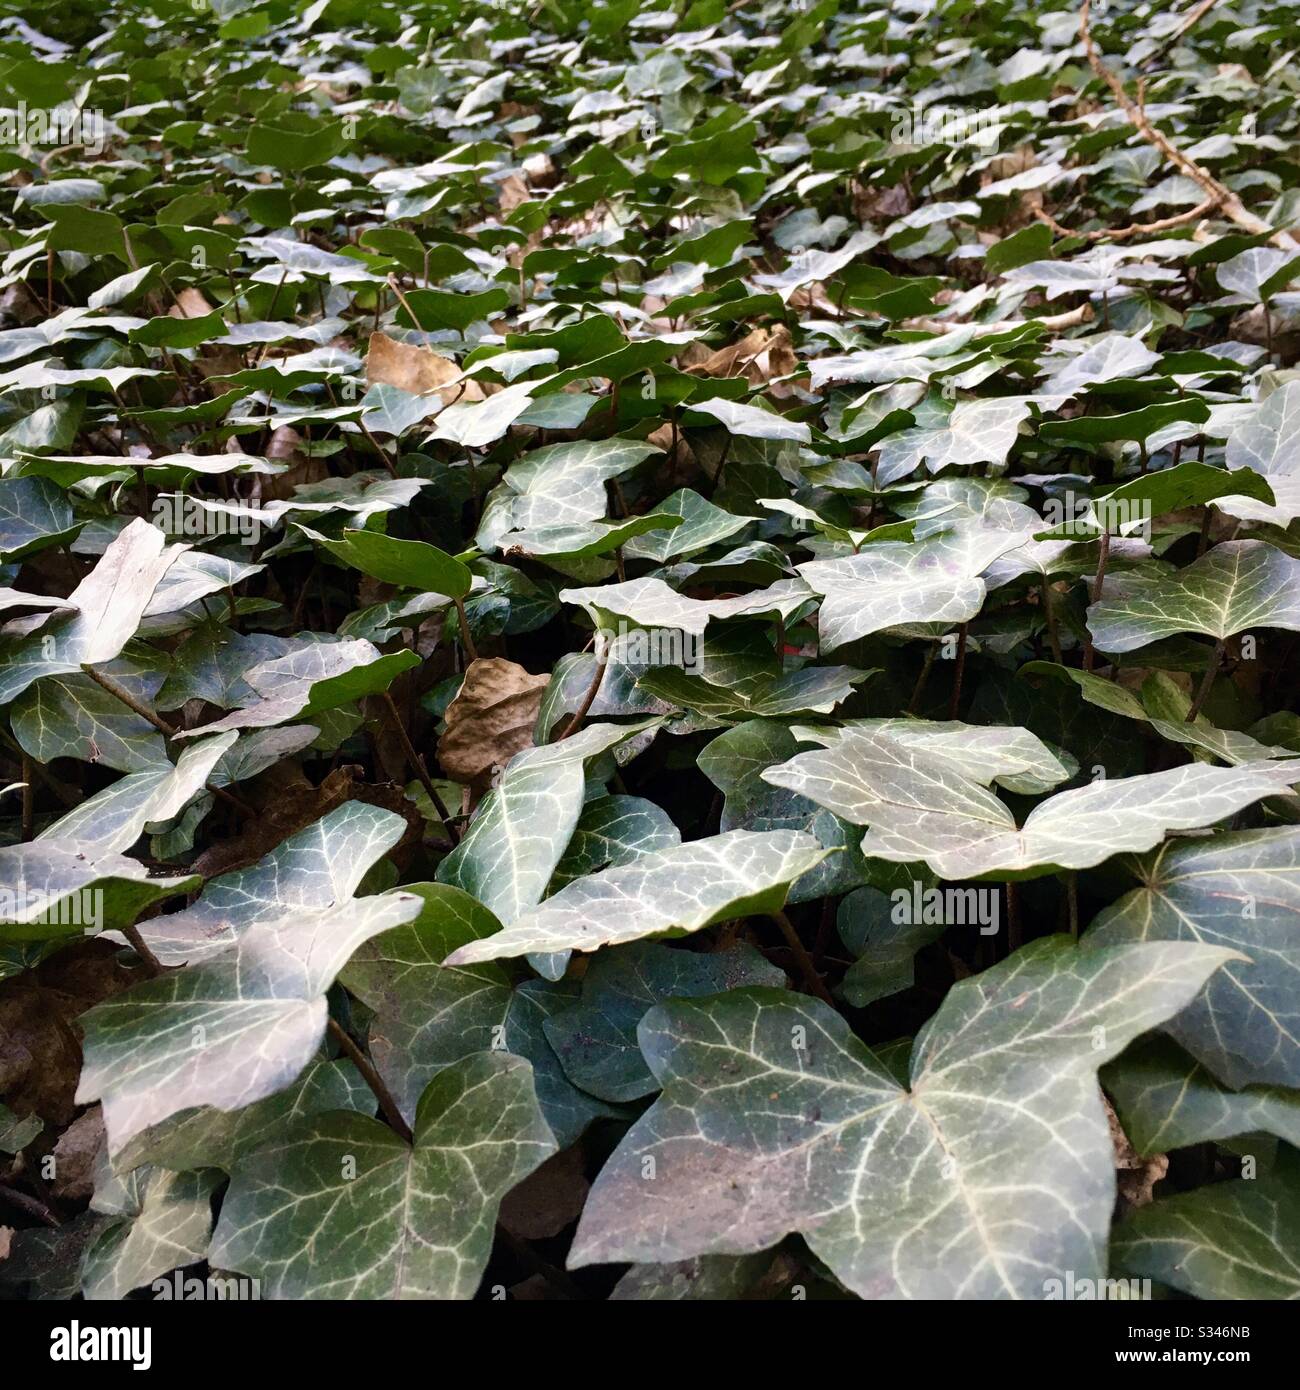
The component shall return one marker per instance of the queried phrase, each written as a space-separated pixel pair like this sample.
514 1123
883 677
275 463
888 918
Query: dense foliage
648 649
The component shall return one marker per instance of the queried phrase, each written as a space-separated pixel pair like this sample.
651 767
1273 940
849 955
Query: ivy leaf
775 1118
702 525
980 431
1236 586
1188 484
75 717
115 819
1111 358
1233 1240
109 604
54 889
894 583
311 680
515 843
163 1220
1166 1100
232 1030
1266 442
651 603
734 761
751 422
1238 890
428 1016
338 1206
596 1039
209 1138
1013 758
313 872
884 948
560 484
814 689
582 540
408 564
919 807
34 514
1251 275
614 830
675 891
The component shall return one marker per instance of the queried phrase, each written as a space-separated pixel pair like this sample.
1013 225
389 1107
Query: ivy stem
29 799
919 687
722 463
372 1079
153 966
1207 680
1015 937
1049 613
466 640
588 700
955 699
378 448
120 692
29 1206
812 980
1103 554
1072 900
417 764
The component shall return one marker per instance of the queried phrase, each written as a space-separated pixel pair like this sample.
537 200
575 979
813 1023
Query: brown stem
1049 612
812 980
722 463
466 640
29 800
1103 554
153 966
1207 680
922 678
1162 224
120 692
29 1206
417 764
588 699
402 300
378 448
1231 206
955 699
372 1079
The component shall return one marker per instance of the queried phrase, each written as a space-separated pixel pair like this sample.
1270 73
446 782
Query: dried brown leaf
490 720
418 370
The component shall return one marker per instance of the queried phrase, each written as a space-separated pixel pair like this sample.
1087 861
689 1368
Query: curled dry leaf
73 1178
758 357
490 720
418 370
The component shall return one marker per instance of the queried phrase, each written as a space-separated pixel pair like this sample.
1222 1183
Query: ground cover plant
649 649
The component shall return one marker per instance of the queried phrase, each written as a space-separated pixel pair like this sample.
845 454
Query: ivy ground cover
648 650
